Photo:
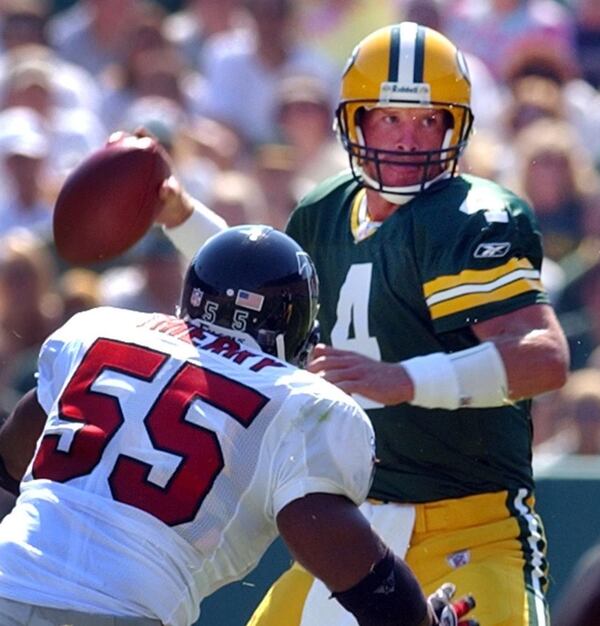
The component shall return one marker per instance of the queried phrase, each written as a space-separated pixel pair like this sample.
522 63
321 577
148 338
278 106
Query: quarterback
434 316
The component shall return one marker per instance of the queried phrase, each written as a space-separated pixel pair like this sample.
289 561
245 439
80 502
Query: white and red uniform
168 451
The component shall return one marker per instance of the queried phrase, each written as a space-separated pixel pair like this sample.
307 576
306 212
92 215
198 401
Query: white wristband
197 228
471 378
434 380
481 376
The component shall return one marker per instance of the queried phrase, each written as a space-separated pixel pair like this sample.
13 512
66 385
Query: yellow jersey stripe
474 276
472 300
463 290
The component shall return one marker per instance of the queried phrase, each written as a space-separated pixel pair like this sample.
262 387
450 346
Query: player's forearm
186 221
198 225
19 434
533 349
535 364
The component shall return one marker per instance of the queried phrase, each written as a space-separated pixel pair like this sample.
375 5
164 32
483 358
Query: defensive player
173 448
435 317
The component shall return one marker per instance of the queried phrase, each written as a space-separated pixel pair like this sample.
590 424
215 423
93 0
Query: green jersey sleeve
480 254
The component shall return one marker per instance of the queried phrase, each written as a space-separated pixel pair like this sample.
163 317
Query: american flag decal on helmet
249 300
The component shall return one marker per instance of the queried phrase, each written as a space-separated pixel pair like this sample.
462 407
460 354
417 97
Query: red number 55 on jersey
97 418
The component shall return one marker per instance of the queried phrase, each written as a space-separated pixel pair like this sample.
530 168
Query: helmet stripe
394 54
406 68
419 55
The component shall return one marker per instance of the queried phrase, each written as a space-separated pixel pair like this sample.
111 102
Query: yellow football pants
491 545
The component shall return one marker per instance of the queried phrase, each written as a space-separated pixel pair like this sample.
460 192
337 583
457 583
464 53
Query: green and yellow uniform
414 285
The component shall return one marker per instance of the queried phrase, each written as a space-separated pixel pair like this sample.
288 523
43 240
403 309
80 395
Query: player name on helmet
209 339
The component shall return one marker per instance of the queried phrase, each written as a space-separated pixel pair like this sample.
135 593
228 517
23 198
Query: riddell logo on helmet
415 92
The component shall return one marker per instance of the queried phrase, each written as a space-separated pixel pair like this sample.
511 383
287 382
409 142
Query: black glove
449 613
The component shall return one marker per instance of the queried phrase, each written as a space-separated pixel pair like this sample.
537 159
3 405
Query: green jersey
412 286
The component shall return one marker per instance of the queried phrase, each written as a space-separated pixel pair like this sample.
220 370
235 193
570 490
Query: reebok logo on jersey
459 559
491 250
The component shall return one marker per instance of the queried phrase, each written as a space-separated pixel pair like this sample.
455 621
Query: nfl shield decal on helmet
196 297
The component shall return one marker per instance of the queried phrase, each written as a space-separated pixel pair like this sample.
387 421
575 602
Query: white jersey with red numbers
168 451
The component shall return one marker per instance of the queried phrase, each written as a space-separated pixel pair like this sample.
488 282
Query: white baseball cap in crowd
22 132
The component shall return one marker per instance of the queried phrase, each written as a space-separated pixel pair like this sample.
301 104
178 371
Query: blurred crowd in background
241 93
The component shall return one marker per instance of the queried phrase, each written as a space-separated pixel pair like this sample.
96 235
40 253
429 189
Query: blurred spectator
553 171
243 72
155 72
71 86
274 169
533 98
30 308
485 155
426 12
577 407
91 33
238 199
79 290
545 414
217 142
305 115
492 29
587 38
149 65
27 194
73 132
151 283
24 22
579 101
191 28
332 27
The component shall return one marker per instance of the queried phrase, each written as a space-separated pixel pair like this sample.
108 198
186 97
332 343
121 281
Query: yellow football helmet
405 65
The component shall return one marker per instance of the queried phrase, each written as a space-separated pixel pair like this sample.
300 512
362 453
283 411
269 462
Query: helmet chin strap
400 195
280 346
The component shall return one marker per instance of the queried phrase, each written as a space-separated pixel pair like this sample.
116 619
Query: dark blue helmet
256 280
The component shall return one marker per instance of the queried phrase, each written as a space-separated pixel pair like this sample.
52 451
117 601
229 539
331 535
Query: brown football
109 201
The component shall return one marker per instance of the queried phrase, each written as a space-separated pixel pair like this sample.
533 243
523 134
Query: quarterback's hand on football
177 205
387 383
450 613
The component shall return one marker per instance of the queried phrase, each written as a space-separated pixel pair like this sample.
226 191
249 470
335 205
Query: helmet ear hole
359 116
448 119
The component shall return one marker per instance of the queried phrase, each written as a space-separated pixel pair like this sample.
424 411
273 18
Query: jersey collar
361 224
